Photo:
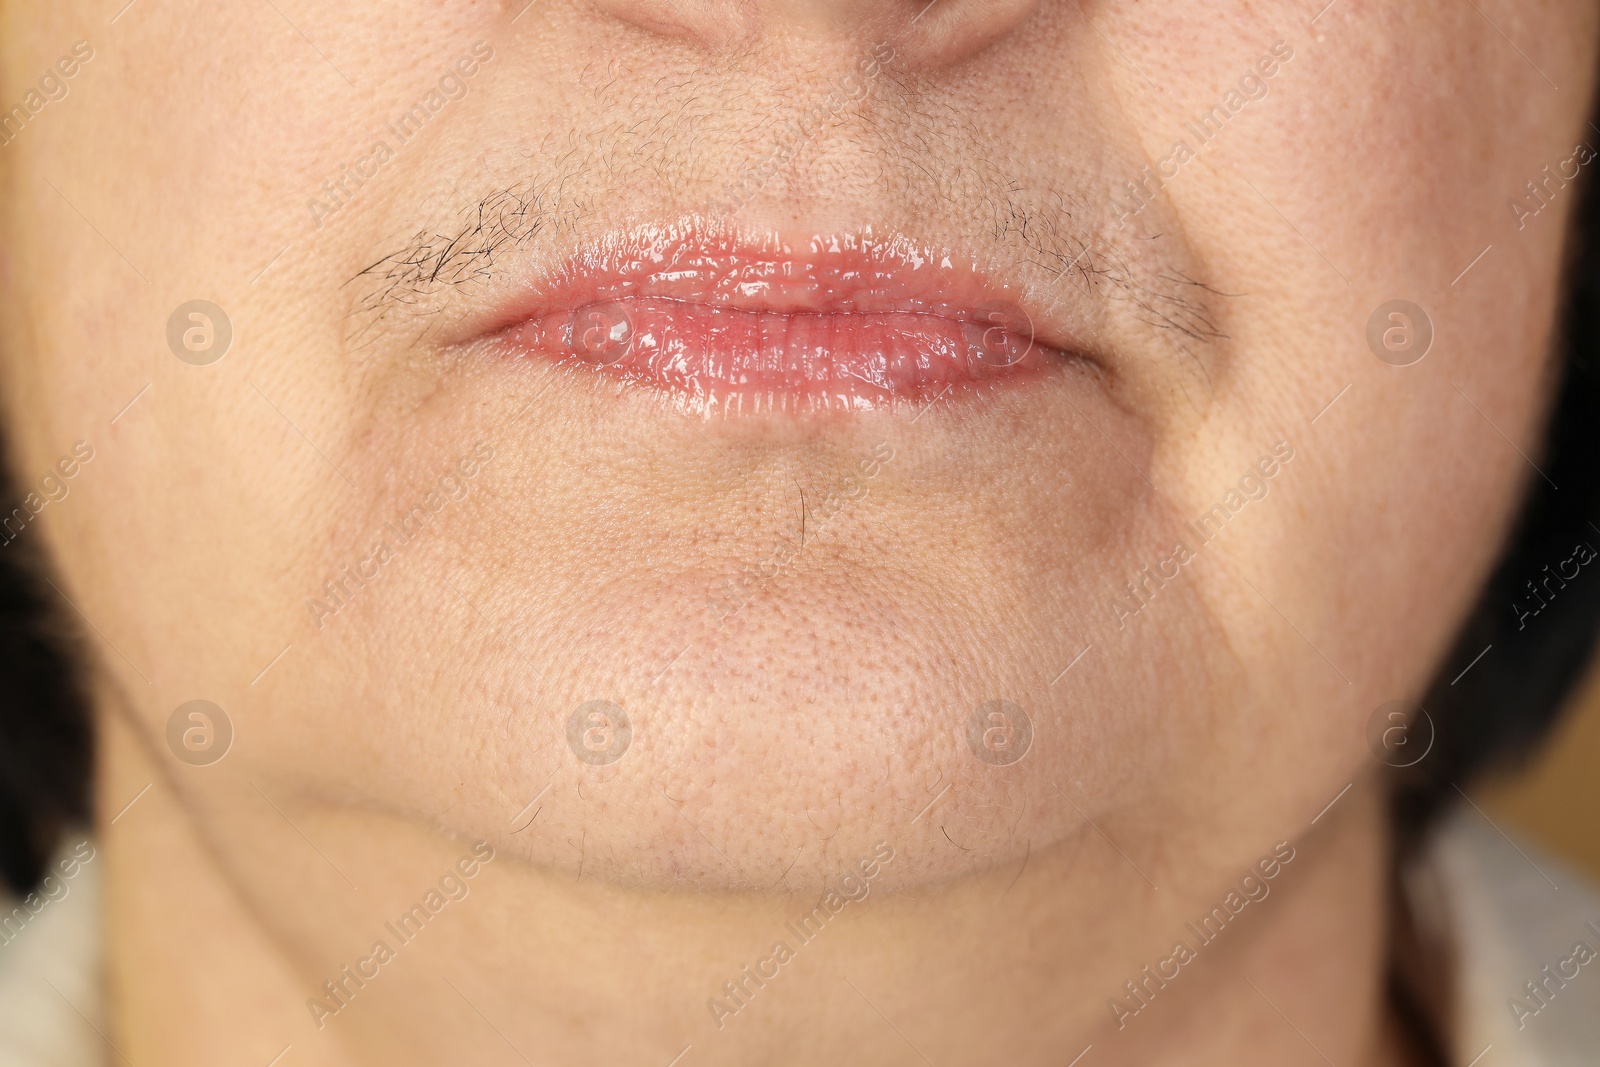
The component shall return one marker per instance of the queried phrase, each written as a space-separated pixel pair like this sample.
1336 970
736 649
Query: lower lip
742 328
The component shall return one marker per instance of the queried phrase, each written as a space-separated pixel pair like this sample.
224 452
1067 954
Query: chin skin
784 723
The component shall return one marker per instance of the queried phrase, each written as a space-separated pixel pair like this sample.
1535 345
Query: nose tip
924 33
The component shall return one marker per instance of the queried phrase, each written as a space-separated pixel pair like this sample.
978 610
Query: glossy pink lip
739 325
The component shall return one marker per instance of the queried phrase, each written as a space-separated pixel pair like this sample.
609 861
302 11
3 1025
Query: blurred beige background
1555 799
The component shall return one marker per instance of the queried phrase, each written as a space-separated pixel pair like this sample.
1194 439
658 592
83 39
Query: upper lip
853 272
750 321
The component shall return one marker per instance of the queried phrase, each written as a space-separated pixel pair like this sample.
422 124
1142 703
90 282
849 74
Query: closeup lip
736 324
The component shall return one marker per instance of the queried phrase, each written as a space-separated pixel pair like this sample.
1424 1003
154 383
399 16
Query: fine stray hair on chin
734 593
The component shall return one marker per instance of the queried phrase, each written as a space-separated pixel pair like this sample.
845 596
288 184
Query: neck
216 958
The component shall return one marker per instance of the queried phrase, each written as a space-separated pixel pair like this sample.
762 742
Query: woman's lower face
976 470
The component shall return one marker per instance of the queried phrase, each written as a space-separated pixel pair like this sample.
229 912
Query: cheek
1343 588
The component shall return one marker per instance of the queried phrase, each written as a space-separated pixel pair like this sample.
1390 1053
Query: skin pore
801 655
